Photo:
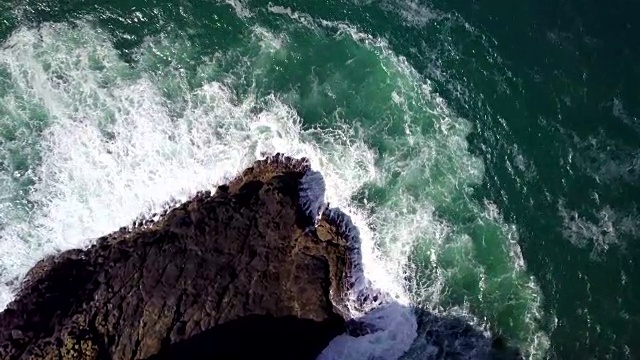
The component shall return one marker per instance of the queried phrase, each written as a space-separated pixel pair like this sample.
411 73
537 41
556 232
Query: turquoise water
489 153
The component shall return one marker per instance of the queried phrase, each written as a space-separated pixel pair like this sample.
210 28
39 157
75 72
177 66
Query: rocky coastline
239 263
260 268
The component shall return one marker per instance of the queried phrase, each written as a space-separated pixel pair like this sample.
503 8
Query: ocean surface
489 152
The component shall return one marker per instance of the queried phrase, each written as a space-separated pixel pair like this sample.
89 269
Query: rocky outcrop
233 274
261 268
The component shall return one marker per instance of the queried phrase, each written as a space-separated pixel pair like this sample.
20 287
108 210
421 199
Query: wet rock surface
230 275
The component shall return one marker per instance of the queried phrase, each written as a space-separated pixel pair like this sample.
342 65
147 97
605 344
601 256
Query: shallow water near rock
488 156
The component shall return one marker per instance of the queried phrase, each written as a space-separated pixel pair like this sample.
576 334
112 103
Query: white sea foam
599 230
621 113
413 12
398 330
426 169
112 151
115 147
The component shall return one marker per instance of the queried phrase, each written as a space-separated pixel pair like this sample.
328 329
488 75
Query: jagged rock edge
251 172
311 191
361 296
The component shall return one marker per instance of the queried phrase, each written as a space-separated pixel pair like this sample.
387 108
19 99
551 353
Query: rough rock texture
220 271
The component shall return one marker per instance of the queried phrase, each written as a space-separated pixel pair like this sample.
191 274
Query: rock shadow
454 337
256 337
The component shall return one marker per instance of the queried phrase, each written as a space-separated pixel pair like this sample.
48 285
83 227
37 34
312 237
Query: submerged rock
234 274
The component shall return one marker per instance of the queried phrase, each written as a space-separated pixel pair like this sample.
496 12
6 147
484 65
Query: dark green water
490 153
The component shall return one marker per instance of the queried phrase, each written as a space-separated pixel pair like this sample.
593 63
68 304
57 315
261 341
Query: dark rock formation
234 274
259 269
454 337
312 189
